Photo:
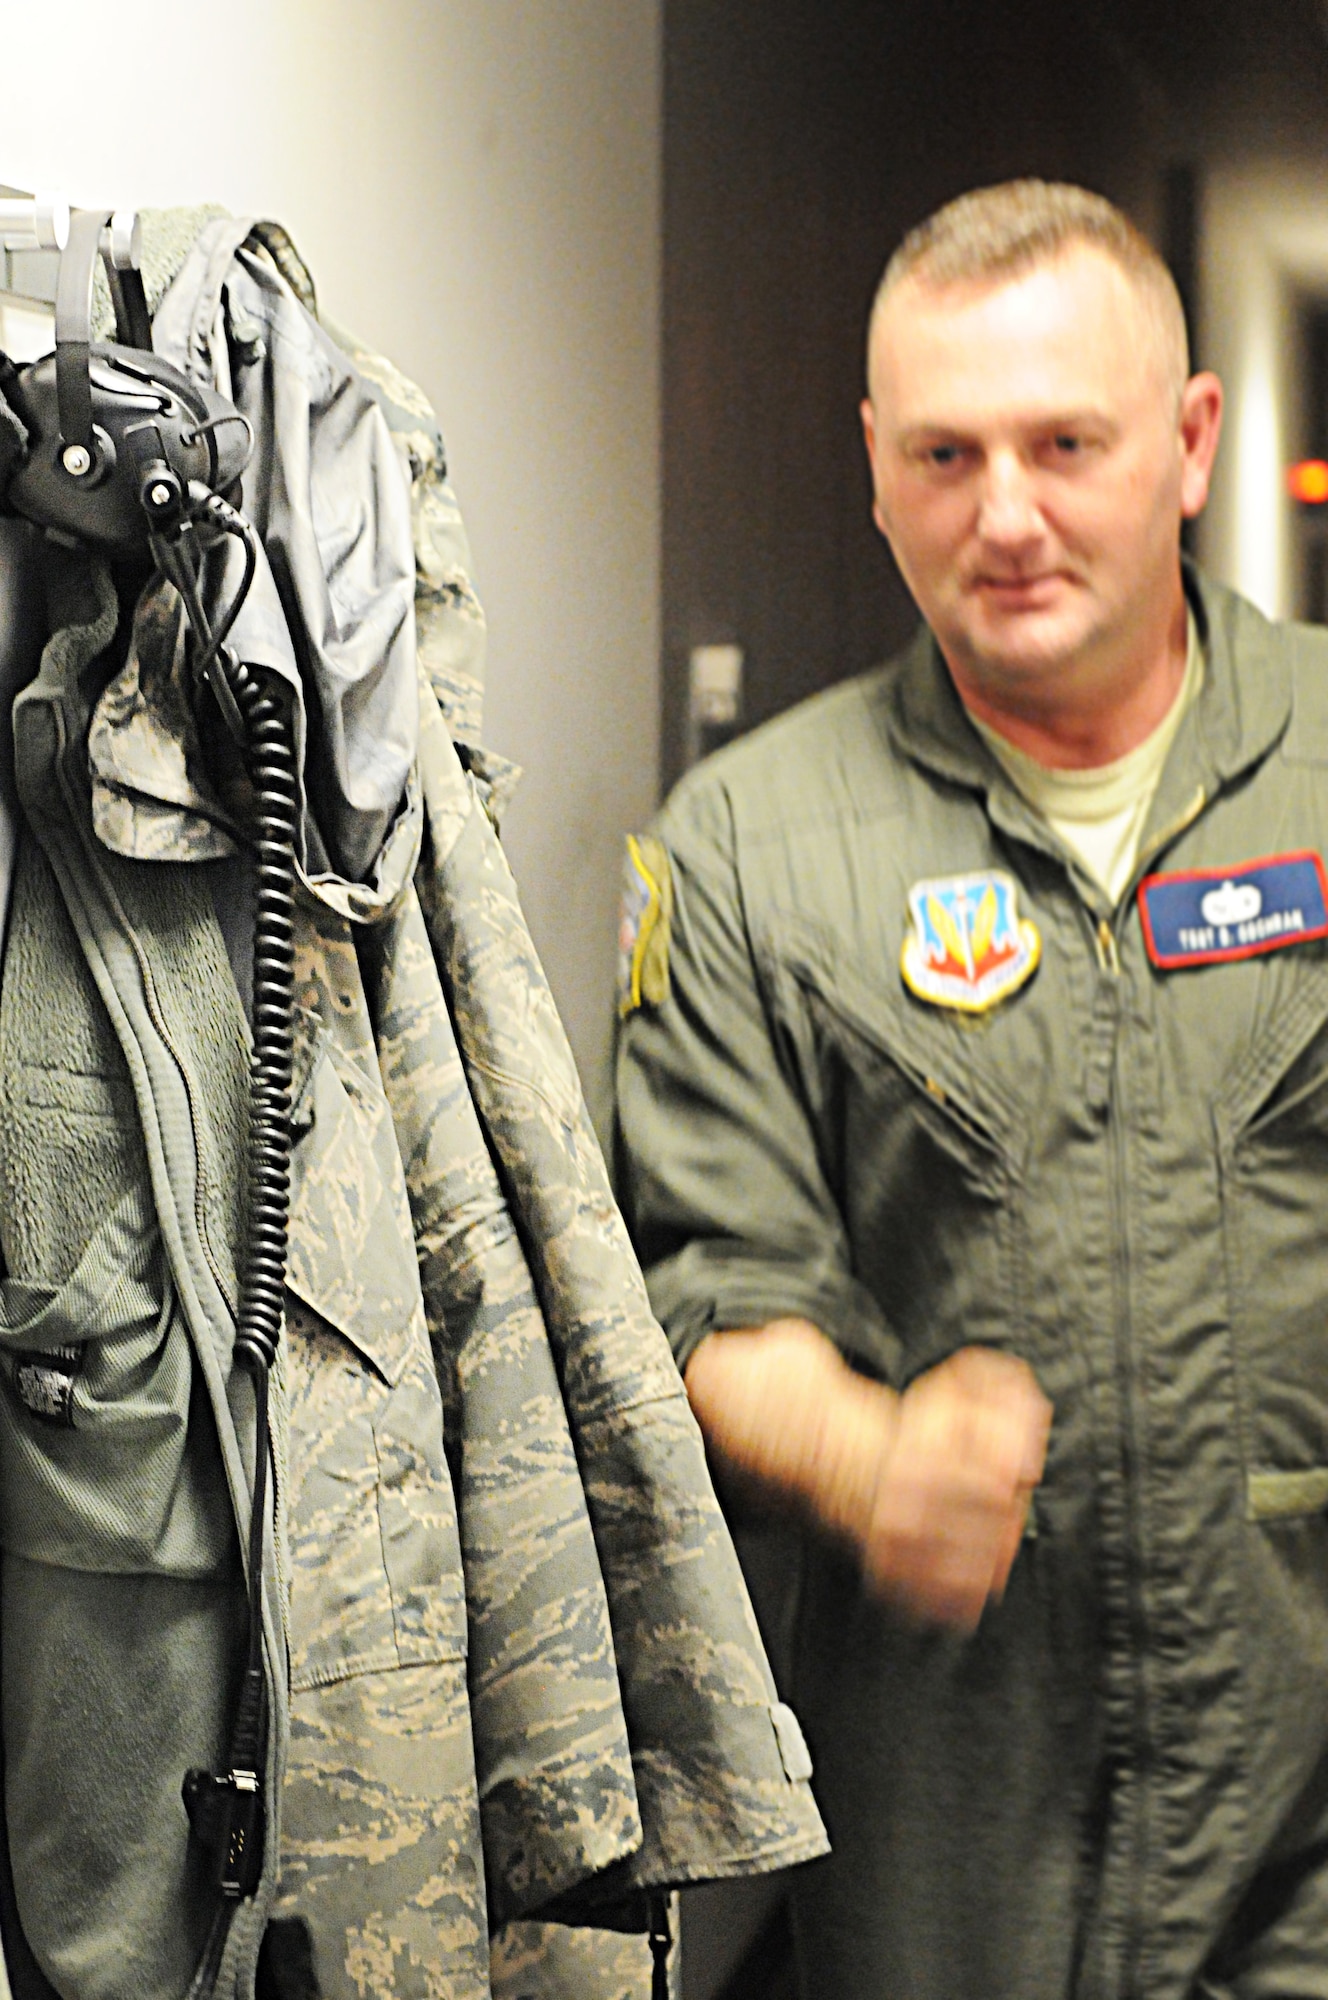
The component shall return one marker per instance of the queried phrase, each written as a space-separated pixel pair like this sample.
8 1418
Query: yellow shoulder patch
644 924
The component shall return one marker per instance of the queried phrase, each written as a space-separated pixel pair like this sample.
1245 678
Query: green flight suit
1119 1785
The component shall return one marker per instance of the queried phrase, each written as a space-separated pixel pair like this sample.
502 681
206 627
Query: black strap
73 324
286 1967
661 1941
133 322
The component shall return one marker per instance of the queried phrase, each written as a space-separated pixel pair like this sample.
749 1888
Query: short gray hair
1007 230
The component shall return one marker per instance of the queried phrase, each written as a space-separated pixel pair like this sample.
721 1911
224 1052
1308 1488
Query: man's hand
953 1486
931 1487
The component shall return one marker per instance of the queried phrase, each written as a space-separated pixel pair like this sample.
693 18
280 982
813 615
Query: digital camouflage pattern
562 1962
558 1804
153 796
522 1668
380 1763
703 1717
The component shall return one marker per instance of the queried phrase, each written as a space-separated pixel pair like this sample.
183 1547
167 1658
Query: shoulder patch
968 947
1206 916
644 924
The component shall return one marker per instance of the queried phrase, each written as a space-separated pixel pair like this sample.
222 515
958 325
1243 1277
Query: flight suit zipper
1137 1759
1124 1632
1130 1761
1126 1716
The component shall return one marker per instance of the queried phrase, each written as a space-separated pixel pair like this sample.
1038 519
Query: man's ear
868 415
1200 428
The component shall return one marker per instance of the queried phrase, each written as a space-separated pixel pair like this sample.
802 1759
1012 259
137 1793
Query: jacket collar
1242 711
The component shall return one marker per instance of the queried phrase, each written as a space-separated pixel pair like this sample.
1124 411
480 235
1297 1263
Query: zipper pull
1104 1023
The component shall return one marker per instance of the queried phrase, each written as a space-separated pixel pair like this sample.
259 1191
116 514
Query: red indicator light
1308 481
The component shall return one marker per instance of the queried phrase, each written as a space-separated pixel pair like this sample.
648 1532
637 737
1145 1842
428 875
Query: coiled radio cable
226 1808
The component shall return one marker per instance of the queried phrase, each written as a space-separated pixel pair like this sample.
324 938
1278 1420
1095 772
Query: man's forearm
780 1408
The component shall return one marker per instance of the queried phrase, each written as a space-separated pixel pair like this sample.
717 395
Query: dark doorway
802 138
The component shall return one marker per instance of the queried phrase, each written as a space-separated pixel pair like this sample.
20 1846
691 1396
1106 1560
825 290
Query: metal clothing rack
33 231
32 235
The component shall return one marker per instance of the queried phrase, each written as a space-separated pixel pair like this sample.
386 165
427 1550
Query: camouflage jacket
513 1672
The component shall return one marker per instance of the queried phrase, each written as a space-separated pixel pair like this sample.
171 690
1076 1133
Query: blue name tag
1210 915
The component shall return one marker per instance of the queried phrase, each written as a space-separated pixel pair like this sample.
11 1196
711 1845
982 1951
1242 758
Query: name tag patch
1210 915
968 946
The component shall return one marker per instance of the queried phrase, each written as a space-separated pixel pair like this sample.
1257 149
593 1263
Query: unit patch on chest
1209 915
968 947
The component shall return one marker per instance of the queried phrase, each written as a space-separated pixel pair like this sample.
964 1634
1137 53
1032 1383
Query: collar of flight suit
1242 711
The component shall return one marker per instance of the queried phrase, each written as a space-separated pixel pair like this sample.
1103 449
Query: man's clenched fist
968 1444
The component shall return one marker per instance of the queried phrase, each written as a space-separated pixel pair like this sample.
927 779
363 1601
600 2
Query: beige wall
475 185
1265 250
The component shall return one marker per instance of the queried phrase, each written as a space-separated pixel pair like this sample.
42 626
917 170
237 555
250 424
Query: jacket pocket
1272 1137
924 1157
351 1255
375 1552
108 1460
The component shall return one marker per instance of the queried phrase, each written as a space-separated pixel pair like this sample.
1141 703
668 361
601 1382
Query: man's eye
1068 444
943 455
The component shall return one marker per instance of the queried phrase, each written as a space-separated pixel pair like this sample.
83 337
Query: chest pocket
105 1462
922 1150
1272 1135
108 1457
376 1562
351 1254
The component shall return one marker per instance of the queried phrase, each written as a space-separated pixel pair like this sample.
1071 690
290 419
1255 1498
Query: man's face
1031 471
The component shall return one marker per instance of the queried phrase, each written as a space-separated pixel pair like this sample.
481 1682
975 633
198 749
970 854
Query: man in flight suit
973 1093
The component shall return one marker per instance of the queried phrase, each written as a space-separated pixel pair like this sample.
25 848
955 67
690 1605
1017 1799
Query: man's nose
1008 513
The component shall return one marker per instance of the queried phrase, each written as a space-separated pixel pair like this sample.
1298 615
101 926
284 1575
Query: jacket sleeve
725 1138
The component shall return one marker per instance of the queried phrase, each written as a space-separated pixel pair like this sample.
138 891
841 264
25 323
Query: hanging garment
512 1671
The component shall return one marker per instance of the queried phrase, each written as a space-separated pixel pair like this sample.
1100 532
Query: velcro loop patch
1206 916
644 925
